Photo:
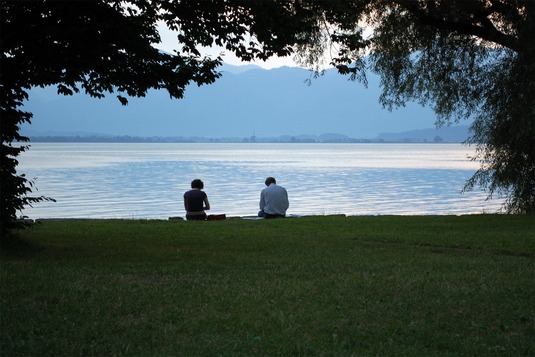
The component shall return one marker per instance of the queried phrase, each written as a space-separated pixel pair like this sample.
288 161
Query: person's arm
262 202
185 204
206 204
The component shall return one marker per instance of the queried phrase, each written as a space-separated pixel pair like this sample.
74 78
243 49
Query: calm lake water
102 180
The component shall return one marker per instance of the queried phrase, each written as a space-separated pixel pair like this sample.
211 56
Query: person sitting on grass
196 202
273 200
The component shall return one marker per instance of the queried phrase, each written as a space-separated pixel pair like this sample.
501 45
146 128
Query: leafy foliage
465 59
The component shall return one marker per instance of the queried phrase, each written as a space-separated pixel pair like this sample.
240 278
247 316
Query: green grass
312 286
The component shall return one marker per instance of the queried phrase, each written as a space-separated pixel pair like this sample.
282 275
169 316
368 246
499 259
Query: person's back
196 201
273 200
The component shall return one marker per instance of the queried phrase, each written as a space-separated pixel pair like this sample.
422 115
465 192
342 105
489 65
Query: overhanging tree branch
476 24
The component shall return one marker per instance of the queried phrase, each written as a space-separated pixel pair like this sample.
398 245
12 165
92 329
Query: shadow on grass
13 246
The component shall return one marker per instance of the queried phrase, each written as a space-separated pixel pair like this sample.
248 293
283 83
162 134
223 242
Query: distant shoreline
282 139
453 134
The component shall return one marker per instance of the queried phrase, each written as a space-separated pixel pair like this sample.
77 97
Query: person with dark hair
196 202
273 200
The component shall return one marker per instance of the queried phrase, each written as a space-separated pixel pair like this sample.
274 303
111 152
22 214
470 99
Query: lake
147 180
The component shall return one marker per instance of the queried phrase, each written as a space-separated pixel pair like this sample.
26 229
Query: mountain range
247 101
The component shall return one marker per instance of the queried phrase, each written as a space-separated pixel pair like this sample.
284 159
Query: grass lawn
311 286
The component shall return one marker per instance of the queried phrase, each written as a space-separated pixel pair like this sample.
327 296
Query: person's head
270 180
197 184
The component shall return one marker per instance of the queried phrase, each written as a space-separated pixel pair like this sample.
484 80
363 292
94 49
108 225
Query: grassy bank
307 286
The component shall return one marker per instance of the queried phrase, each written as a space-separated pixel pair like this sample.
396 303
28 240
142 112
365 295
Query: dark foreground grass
328 286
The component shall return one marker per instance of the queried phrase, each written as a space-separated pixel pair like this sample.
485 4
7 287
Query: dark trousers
196 217
268 216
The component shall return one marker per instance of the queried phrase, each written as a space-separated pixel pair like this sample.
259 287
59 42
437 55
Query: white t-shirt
274 200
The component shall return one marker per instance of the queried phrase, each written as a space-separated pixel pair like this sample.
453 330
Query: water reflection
148 180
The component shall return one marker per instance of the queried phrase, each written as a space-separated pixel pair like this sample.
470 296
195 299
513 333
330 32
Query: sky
169 44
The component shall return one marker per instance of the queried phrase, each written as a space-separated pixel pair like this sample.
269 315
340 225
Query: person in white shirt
273 200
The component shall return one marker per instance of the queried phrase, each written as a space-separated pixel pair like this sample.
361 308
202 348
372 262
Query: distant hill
246 101
454 134
229 68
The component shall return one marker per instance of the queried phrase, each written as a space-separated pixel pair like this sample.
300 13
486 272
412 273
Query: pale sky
170 42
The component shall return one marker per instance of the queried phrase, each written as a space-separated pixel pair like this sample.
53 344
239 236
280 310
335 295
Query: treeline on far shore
281 139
